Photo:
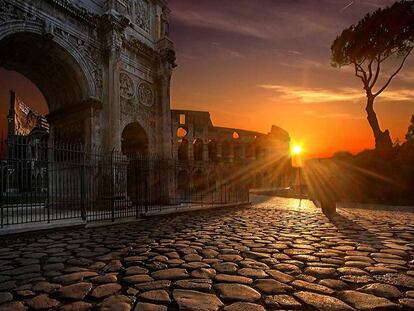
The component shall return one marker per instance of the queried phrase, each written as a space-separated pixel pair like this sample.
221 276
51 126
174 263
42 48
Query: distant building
24 122
25 148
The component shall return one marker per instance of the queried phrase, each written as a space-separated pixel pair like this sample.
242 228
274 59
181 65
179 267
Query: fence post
135 164
50 173
146 189
83 205
112 187
1 191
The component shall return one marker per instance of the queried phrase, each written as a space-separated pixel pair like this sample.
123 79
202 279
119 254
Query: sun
296 150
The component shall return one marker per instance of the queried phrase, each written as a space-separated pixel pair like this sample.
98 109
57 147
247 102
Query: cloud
397 95
216 22
285 51
319 95
305 63
308 95
186 56
333 115
265 24
407 76
226 51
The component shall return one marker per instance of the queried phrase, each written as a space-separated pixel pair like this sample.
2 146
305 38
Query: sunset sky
257 63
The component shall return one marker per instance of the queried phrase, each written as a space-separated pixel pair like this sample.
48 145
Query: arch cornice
76 11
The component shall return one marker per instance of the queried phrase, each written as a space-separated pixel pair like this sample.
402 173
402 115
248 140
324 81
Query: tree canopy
378 36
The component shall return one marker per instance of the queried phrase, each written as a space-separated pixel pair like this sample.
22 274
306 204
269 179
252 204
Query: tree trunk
382 138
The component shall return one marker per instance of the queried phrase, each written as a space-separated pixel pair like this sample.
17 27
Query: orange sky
257 63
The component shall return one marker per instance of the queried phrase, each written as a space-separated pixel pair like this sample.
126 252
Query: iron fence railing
40 182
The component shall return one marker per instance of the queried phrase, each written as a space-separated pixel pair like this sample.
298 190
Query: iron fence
40 182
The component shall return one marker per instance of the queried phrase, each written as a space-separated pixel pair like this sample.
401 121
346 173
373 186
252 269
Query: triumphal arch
103 66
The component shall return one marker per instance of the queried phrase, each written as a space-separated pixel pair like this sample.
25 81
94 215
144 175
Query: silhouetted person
324 191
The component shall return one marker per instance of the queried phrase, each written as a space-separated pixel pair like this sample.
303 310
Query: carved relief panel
127 87
136 94
145 94
140 13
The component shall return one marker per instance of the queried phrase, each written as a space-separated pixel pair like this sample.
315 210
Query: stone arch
199 179
212 181
198 149
212 150
51 62
237 150
250 151
134 140
226 150
259 151
183 181
183 149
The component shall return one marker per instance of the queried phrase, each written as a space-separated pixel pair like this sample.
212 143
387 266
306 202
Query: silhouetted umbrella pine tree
378 47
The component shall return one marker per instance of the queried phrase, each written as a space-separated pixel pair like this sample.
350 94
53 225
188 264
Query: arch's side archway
134 140
134 145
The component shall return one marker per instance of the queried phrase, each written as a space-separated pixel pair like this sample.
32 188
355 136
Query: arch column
164 85
166 66
112 101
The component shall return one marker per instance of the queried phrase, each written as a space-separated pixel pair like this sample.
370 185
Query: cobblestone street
273 255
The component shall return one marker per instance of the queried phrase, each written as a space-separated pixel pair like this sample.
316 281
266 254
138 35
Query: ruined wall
243 158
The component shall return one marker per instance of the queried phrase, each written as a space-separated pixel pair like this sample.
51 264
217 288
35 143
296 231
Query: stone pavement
273 255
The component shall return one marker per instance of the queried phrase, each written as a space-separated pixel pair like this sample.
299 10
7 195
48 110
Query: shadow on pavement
258 199
354 231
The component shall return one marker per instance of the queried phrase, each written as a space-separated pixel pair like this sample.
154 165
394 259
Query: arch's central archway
56 73
52 68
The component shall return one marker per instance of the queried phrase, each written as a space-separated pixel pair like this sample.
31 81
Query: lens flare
297 149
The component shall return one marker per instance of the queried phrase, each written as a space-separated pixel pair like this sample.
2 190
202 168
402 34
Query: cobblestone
270 256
